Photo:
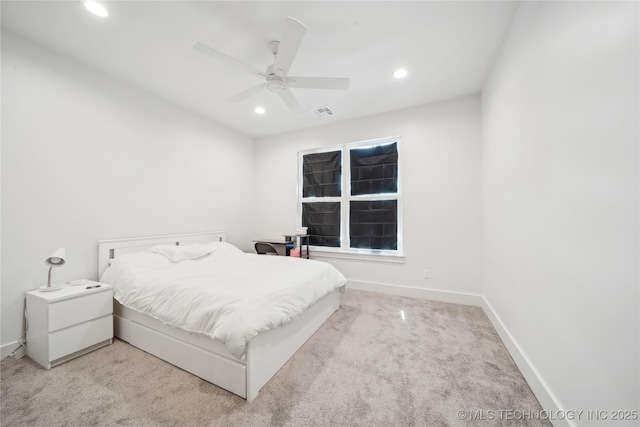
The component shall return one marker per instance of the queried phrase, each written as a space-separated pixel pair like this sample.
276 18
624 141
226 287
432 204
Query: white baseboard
7 349
536 383
422 293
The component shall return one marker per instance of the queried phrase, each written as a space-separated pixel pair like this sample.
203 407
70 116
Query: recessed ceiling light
400 73
259 110
96 9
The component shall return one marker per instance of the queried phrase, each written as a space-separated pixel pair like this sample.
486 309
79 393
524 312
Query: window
349 197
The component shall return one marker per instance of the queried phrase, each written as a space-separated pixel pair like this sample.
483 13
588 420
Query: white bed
199 354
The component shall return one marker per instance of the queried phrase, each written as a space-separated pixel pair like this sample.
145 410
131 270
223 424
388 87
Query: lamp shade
57 258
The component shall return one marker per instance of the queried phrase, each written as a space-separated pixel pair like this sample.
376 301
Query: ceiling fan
276 78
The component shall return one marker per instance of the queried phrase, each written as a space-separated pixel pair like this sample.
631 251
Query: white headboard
109 249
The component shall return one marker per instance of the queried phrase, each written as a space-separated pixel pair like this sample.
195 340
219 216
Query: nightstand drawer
79 309
75 338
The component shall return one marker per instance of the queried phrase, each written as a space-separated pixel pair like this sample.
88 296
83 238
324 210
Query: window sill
377 257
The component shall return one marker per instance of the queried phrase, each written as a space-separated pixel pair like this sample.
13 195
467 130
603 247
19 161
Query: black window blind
323 220
374 224
374 170
321 174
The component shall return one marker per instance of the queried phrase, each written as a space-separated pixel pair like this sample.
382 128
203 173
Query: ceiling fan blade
229 60
246 93
336 83
291 101
294 31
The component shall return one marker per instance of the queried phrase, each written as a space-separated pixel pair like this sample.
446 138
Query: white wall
561 184
85 157
440 157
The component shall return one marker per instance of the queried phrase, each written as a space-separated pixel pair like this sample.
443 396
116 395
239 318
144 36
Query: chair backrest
263 248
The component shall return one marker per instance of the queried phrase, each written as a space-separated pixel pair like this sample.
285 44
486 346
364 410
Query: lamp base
53 287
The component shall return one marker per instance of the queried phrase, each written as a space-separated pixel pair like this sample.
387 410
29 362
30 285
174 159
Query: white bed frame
200 355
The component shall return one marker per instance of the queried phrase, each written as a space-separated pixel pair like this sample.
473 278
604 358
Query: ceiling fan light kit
276 84
276 78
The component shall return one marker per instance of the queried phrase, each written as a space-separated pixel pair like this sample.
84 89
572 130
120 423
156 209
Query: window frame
345 251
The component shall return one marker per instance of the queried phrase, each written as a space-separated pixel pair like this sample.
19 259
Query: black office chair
265 249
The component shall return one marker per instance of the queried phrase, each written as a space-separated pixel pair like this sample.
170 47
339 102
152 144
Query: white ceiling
448 48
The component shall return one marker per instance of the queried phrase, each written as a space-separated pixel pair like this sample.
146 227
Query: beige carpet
364 367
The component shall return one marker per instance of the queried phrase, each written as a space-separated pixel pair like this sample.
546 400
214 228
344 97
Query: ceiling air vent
323 112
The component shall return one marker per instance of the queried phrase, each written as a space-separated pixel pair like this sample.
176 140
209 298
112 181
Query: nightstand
68 323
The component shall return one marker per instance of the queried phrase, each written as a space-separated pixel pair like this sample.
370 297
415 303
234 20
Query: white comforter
218 290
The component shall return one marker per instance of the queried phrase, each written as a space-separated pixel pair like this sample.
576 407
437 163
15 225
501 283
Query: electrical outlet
427 274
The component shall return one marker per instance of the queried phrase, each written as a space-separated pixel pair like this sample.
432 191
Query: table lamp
55 260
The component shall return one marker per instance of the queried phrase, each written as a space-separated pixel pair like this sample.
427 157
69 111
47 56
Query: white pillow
220 249
134 262
183 253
